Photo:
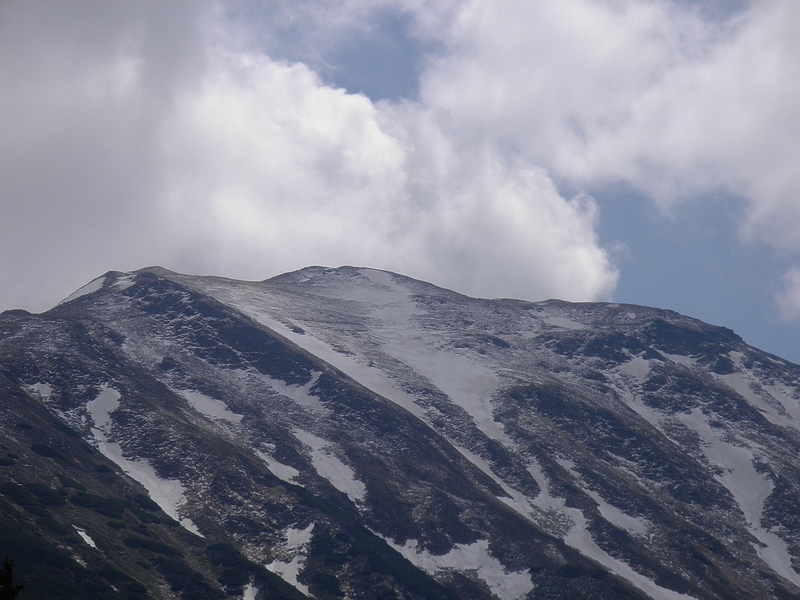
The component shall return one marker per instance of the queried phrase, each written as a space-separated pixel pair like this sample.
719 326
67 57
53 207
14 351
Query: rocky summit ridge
354 433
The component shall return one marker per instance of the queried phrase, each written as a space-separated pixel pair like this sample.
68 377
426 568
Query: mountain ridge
408 440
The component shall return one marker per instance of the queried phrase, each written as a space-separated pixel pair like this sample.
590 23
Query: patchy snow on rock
635 402
298 539
581 539
370 377
748 487
299 393
616 517
293 551
125 281
43 390
250 592
277 468
384 292
467 383
563 322
252 301
398 328
471 557
86 537
776 406
100 410
637 368
736 357
515 499
686 361
167 493
214 409
328 465
788 398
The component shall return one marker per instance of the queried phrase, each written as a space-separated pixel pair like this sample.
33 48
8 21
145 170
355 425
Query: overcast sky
643 151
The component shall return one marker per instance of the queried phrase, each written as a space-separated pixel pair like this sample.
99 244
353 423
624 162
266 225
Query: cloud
281 171
673 100
158 133
788 299
86 88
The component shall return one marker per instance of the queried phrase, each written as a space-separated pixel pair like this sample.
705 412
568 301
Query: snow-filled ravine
169 494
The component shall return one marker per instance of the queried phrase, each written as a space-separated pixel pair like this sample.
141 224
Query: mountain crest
355 433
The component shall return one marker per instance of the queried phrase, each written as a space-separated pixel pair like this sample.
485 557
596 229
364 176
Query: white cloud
655 94
281 172
277 171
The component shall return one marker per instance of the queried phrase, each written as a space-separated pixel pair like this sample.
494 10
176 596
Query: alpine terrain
353 433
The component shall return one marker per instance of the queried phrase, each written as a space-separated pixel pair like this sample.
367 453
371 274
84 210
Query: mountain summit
354 433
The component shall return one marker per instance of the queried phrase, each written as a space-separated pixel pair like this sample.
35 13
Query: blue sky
641 151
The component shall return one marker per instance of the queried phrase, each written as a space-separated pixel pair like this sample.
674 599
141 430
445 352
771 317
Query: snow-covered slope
361 434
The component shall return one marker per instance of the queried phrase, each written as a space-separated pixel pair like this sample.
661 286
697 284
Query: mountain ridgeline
353 433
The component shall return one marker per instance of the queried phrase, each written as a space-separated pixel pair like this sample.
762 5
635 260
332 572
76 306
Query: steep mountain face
351 433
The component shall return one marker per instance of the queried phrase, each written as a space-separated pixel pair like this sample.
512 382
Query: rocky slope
351 433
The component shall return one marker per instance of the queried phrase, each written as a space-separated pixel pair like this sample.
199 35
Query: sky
637 151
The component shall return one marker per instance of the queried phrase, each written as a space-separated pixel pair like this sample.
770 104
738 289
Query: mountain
354 433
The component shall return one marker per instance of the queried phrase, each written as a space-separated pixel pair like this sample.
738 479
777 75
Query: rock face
352 433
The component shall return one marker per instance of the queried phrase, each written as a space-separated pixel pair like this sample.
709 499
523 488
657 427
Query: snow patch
86 538
563 322
516 500
616 517
635 402
736 357
328 465
299 393
167 493
637 368
467 383
43 390
87 289
124 282
100 410
280 470
686 361
631 315
471 557
297 539
370 377
295 550
250 592
787 397
215 409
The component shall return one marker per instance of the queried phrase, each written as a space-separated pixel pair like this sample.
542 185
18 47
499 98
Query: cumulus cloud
673 100
280 171
159 133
